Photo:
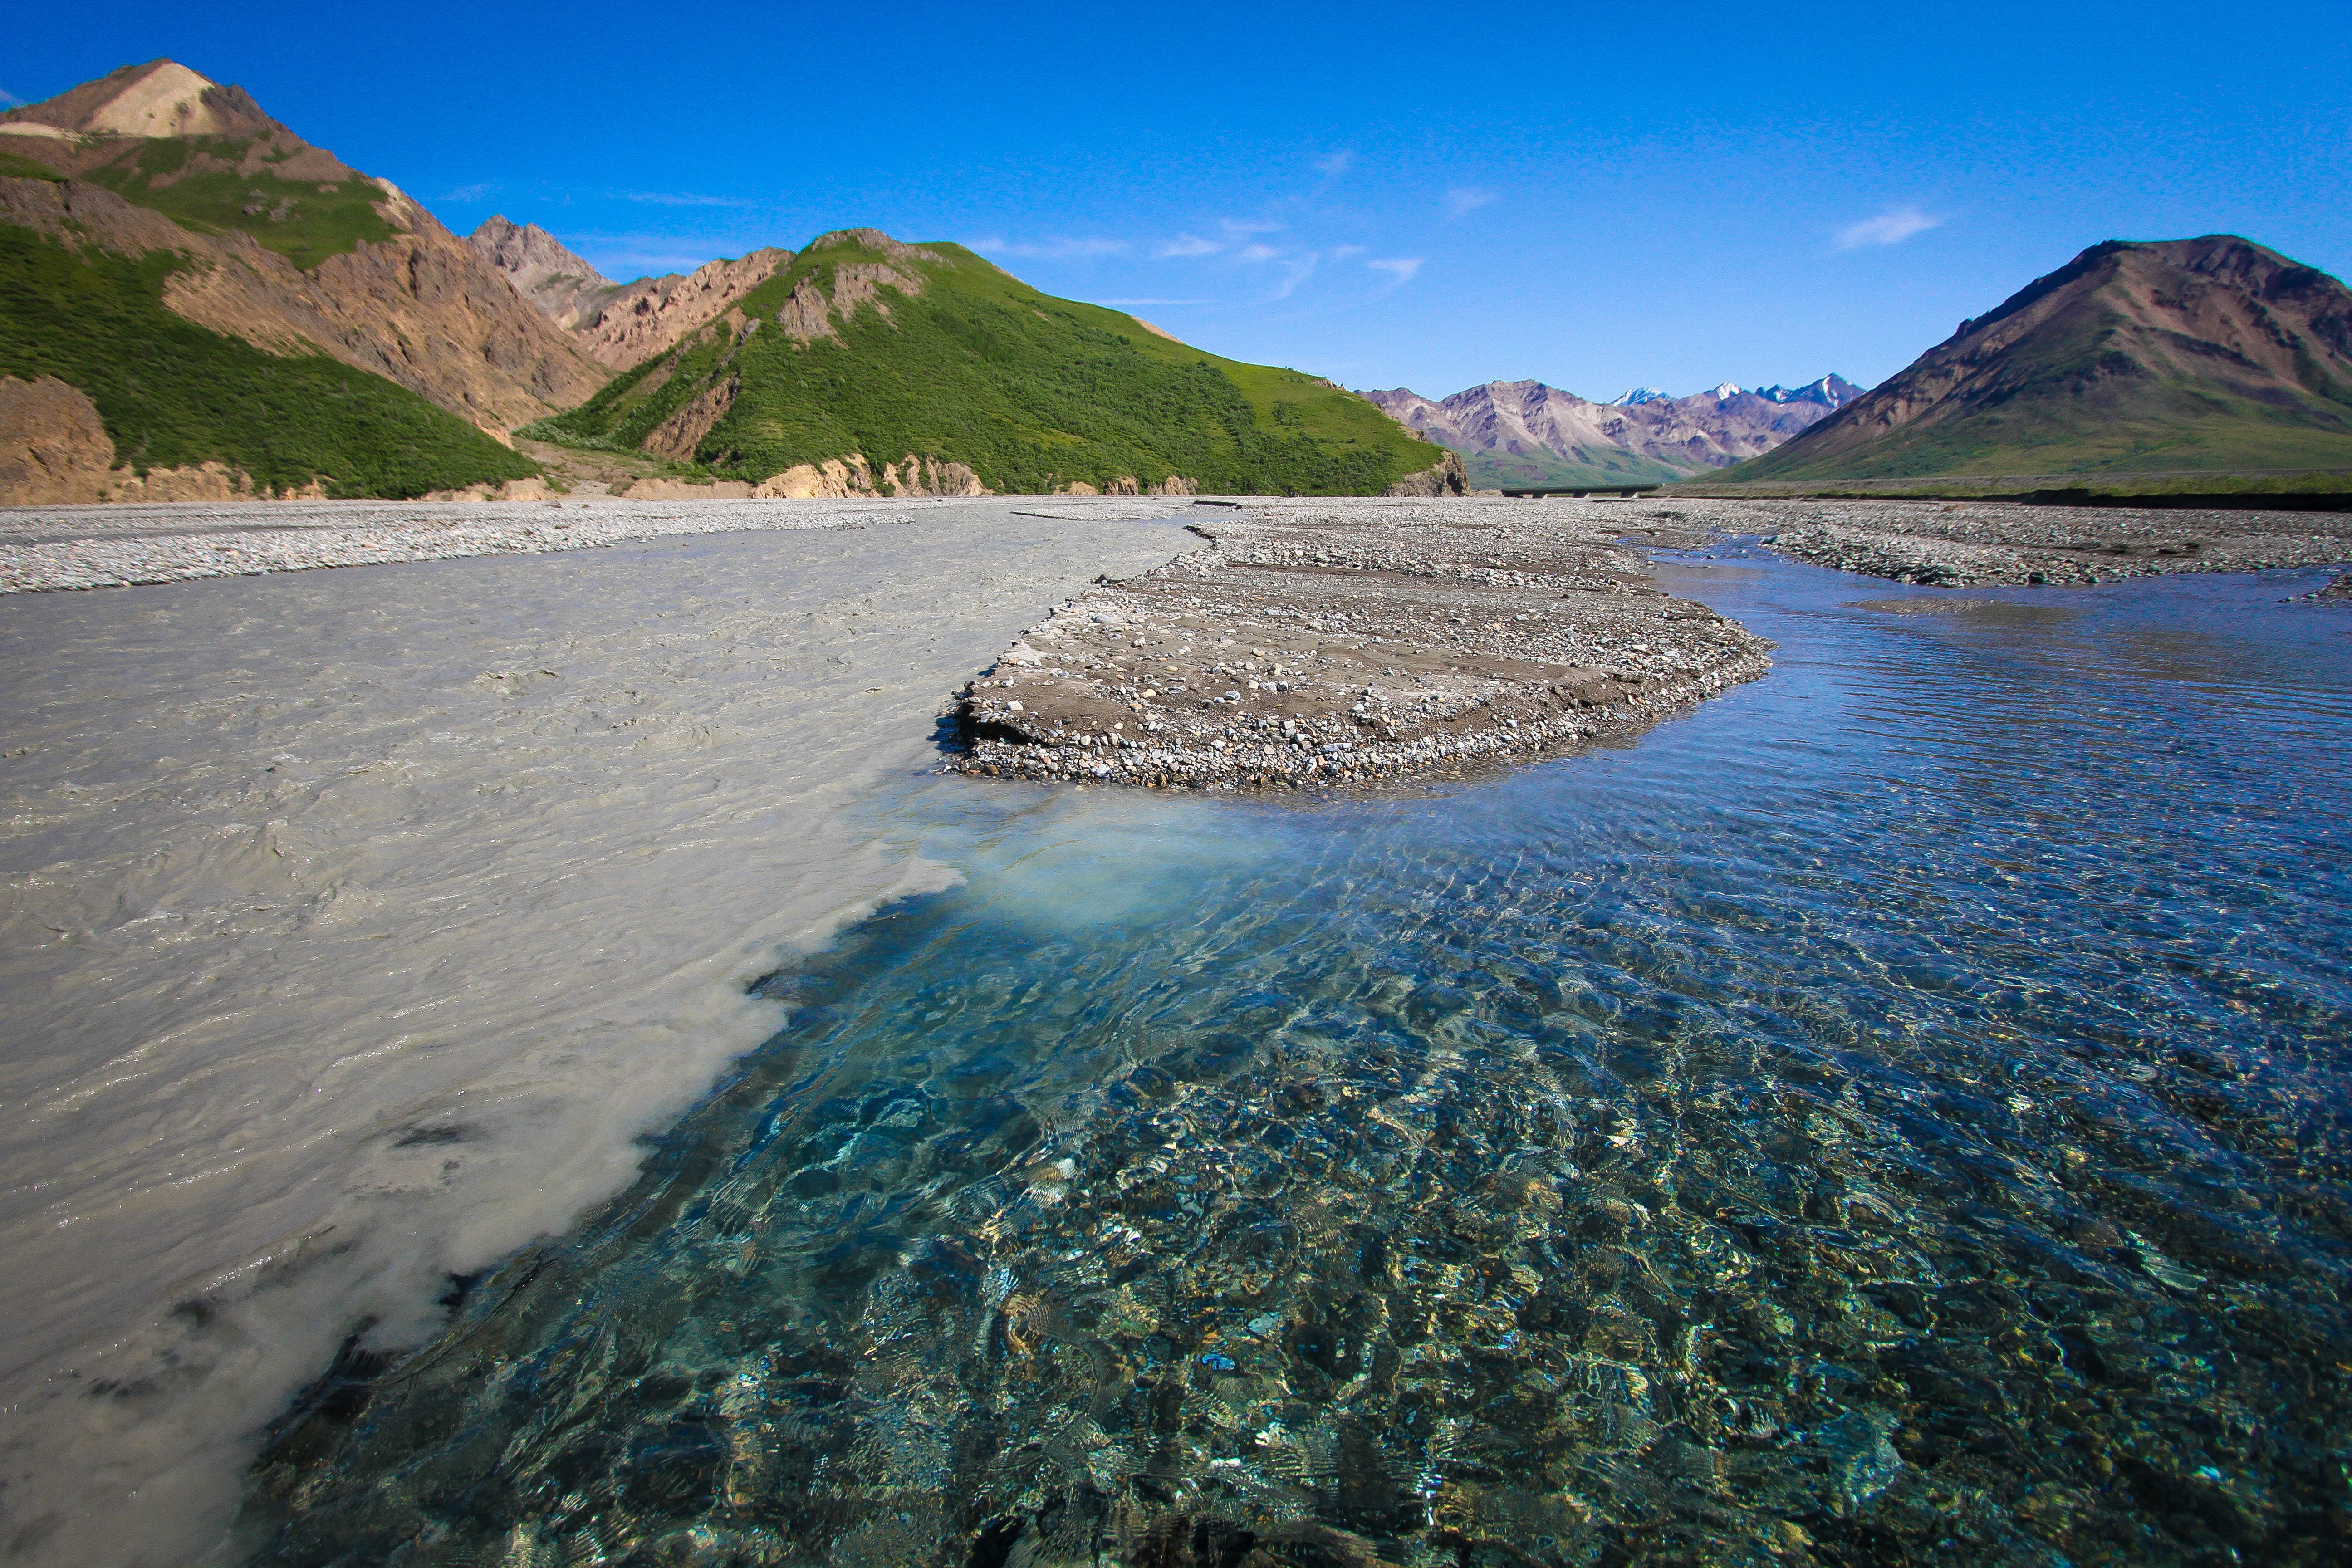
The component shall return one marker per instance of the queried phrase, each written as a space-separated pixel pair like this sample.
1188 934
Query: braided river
1899 1112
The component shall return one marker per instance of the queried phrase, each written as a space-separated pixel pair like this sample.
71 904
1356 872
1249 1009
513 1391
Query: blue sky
1597 197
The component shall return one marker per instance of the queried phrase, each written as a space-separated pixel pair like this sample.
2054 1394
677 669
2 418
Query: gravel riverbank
1356 641
1352 641
1977 544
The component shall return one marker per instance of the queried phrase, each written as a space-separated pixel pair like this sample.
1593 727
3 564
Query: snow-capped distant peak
1729 389
1639 394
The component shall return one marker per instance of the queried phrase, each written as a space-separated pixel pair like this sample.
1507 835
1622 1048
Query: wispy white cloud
1296 270
1188 245
1892 226
1343 252
1465 199
1401 268
1257 252
1054 249
680 199
1337 165
468 192
1126 302
1242 229
9 99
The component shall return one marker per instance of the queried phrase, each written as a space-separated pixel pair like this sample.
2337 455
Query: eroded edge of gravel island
1321 643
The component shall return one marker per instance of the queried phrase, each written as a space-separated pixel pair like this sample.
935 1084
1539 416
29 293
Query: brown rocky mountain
159 99
2188 354
544 269
291 250
620 325
1557 435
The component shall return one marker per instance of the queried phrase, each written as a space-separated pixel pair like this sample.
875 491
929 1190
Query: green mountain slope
202 182
210 160
2211 355
860 344
172 393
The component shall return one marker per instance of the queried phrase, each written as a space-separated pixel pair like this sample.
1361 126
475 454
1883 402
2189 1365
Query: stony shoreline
1356 643
1338 644
1961 546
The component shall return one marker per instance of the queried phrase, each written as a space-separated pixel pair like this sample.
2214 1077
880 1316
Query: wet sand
358 923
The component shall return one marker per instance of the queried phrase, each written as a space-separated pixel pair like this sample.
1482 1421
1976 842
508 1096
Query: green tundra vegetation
173 394
1033 393
16 166
303 220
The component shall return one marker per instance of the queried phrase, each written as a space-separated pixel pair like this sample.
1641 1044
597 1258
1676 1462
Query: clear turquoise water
1897 1113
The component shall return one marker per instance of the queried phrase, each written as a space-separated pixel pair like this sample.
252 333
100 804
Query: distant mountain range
197 303
2211 355
1514 433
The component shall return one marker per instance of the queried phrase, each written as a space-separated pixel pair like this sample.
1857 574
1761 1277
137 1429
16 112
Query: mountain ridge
155 205
863 363
370 277
1524 432
2212 353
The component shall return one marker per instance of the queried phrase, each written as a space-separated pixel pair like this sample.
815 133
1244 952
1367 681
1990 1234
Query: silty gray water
1896 1112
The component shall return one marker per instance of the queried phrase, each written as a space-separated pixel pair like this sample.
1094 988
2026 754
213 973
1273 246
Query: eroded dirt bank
1356 641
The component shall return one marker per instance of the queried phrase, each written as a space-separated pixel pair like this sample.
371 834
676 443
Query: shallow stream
1898 1111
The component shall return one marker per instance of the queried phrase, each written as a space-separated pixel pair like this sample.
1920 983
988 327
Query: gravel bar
1339 643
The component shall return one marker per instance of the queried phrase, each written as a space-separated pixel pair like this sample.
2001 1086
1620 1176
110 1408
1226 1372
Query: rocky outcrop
808 313
1128 485
421 308
1446 477
651 316
929 477
872 240
561 286
676 436
623 325
162 98
654 487
54 451
842 478
509 489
